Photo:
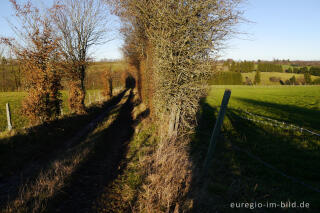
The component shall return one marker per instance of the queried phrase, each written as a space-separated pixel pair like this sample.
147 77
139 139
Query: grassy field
101 66
295 104
15 99
237 173
266 75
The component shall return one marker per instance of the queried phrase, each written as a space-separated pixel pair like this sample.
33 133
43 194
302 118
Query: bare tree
81 24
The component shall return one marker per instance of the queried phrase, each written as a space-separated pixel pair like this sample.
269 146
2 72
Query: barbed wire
296 180
274 122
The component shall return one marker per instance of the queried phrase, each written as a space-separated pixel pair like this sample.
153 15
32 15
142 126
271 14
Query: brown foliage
107 83
39 53
76 97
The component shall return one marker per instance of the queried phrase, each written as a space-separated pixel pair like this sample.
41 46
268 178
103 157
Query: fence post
89 99
216 131
8 116
61 109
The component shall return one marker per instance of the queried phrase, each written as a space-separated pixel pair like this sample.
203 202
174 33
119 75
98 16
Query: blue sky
110 50
282 29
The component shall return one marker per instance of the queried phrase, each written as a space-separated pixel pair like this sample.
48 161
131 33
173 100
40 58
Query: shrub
292 81
316 81
248 81
300 81
307 78
257 77
274 79
107 83
315 71
39 54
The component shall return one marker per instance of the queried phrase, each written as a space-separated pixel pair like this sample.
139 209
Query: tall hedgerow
177 40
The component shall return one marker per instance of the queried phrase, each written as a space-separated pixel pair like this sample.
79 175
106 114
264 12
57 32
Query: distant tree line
269 67
226 78
312 71
249 66
242 67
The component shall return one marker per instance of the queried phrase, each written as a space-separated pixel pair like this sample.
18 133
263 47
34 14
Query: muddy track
9 186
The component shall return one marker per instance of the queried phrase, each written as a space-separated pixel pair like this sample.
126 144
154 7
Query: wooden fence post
61 109
216 131
9 117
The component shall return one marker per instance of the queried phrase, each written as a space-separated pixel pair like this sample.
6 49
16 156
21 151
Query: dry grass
33 196
168 178
122 194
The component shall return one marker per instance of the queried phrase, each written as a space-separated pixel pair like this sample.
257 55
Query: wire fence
244 114
272 122
296 180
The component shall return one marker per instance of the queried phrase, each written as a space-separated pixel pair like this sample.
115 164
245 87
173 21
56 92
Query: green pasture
102 66
296 104
236 176
15 100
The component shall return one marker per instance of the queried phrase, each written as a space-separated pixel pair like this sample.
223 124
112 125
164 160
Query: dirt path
100 168
9 186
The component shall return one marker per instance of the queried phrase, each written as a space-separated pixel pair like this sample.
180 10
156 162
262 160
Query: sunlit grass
15 100
235 176
295 104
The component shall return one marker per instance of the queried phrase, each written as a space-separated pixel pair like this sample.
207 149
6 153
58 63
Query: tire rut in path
9 187
100 168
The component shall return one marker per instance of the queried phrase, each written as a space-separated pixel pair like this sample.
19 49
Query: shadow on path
23 156
100 168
